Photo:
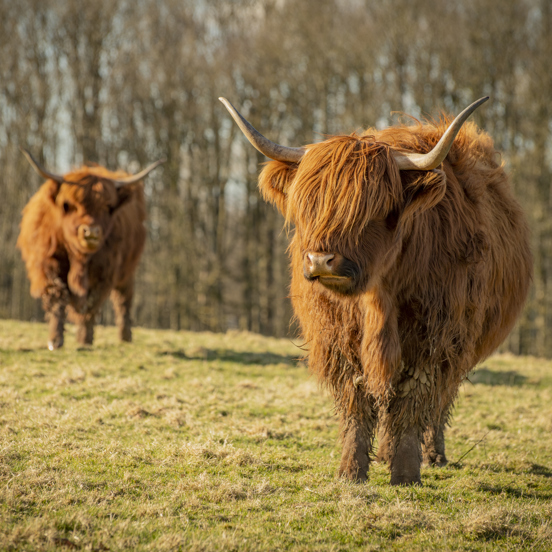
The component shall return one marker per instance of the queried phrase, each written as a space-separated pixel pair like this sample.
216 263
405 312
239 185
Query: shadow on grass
534 469
227 355
537 469
492 377
514 492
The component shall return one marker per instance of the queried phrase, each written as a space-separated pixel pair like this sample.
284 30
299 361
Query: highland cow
410 263
82 235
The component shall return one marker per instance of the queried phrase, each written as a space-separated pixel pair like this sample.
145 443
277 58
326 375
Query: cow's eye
67 207
392 220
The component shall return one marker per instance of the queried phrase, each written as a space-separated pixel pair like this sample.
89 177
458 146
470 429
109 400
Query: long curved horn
431 160
41 170
258 141
136 177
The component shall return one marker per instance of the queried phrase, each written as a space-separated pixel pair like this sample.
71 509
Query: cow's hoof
55 344
358 475
436 461
405 480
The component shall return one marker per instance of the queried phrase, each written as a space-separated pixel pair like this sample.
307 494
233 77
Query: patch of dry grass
197 441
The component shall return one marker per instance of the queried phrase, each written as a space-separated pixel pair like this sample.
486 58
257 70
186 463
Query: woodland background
125 82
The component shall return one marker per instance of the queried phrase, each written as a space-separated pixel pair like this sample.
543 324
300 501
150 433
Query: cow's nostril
319 263
90 233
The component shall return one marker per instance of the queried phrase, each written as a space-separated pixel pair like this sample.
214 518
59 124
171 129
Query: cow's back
466 265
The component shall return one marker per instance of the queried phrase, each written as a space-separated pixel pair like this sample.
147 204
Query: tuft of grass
200 441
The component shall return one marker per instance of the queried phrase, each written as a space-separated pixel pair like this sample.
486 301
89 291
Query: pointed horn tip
481 101
226 104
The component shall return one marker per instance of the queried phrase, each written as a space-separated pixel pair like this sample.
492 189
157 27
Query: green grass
189 441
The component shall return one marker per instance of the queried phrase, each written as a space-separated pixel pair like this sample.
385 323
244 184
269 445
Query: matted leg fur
85 330
355 458
54 302
433 445
358 426
407 459
122 303
384 446
56 327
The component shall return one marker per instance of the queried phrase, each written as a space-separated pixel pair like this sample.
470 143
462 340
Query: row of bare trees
123 82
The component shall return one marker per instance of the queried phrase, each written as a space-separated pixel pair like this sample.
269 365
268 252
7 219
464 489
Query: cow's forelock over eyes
341 201
85 206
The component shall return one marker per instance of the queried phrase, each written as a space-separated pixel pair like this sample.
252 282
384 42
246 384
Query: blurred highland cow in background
82 235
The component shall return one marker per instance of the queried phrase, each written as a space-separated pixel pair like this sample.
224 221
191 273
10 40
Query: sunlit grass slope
187 441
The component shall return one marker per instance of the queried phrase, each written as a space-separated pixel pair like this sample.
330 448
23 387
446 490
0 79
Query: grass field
198 441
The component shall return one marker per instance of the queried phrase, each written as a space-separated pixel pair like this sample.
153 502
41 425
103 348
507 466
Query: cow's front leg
358 426
54 302
355 458
384 446
406 458
121 298
56 327
433 444
85 329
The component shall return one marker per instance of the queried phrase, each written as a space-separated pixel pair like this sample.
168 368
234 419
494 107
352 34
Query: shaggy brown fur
444 265
63 268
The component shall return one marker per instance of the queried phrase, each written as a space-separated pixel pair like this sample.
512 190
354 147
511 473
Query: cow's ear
423 193
124 193
52 190
274 181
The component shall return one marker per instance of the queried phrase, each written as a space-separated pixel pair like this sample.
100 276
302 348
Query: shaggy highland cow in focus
82 235
404 275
